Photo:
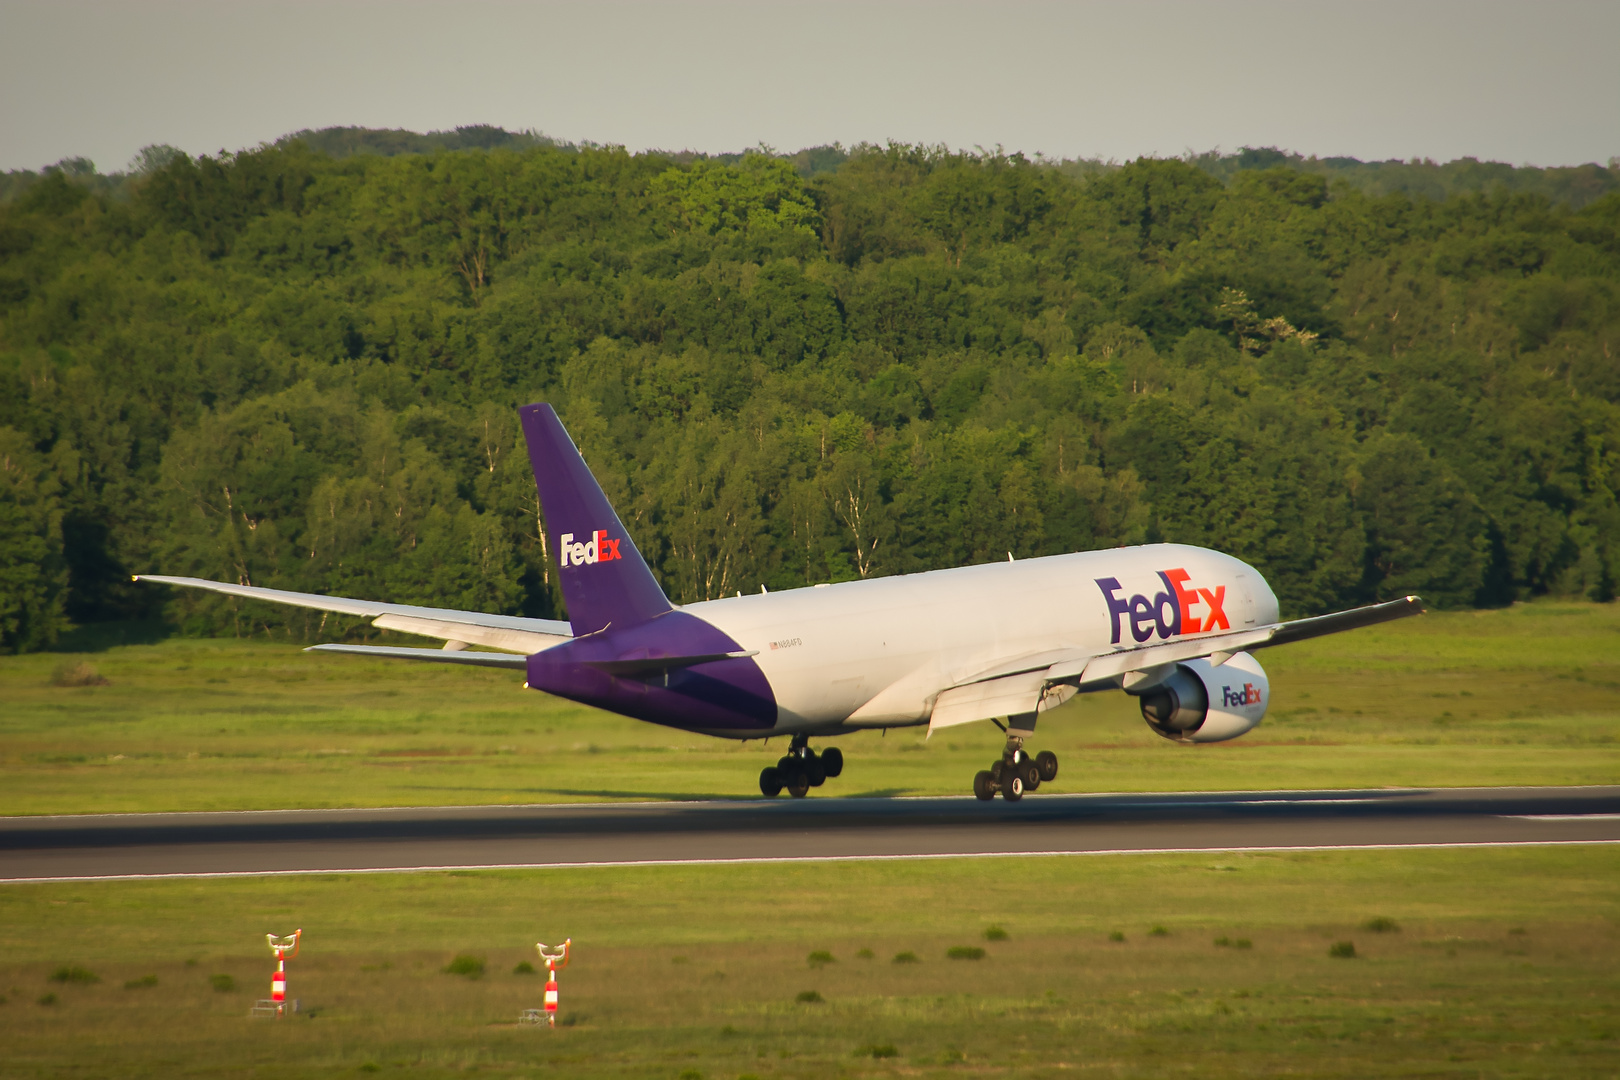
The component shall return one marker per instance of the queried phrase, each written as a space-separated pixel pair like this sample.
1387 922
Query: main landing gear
1016 772
801 770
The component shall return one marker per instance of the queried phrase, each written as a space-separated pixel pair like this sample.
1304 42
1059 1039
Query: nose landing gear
1016 772
801 769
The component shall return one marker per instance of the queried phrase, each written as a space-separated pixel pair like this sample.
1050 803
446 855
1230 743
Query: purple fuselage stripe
724 695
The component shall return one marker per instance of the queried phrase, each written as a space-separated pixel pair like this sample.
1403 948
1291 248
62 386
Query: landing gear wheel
1012 789
1047 761
996 769
770 781
801 768
1030 774
984 786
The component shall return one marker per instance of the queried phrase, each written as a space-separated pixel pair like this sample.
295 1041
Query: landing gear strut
801 769
1016 772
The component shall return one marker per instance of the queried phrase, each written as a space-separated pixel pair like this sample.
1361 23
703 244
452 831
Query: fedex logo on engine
1246 696
1168 614
597 549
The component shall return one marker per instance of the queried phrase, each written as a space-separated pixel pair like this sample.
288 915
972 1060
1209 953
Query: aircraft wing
1045 680
458 629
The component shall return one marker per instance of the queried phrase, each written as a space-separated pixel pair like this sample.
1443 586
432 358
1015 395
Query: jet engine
1199 702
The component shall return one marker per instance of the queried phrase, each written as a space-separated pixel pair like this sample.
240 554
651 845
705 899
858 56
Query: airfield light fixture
555 957
284 948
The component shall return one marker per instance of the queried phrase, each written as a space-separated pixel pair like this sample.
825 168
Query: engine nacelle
1200 703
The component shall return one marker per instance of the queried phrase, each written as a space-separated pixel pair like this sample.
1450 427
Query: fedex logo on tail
597 549
1175 611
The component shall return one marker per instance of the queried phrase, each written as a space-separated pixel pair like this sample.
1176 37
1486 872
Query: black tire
787 764
1048 764
832 759
798 786
984 785
995 770
1013 789
814 771
770 781
1030 773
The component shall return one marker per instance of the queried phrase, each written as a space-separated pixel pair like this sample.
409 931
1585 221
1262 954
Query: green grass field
685 972
1504 963
1527 695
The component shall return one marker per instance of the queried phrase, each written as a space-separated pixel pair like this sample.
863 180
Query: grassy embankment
1528 695
1500 962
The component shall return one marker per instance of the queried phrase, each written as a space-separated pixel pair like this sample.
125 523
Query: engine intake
1199 702
1177 705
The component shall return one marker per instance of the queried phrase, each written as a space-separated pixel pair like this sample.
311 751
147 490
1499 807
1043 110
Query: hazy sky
1520 82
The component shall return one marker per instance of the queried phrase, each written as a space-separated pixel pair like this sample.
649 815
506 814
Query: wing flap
1006 696
912 697
1036 661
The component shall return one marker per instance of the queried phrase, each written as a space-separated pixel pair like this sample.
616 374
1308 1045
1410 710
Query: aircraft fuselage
873 654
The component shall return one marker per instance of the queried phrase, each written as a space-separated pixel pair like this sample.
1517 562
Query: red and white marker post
555 956
285 949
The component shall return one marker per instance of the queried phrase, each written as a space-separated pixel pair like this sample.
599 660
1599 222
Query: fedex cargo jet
1172 625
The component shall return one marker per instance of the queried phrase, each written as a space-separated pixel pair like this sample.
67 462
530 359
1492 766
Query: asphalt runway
119 846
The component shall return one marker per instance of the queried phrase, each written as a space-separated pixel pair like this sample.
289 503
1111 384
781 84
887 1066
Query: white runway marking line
1561 817
1282 802
606 865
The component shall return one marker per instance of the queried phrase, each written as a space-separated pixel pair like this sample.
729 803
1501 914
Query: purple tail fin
604 578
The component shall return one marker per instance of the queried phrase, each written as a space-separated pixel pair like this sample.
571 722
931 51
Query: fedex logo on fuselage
597 549
1169 613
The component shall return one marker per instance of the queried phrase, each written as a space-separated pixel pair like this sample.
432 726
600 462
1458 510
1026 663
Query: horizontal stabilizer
432 656
653 665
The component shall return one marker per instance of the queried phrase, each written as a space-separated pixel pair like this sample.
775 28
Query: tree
298 366
33 573
1425 532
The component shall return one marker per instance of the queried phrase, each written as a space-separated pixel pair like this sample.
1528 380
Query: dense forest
298 366
1574 186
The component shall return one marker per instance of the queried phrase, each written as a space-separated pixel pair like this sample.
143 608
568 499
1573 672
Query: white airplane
1172 625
